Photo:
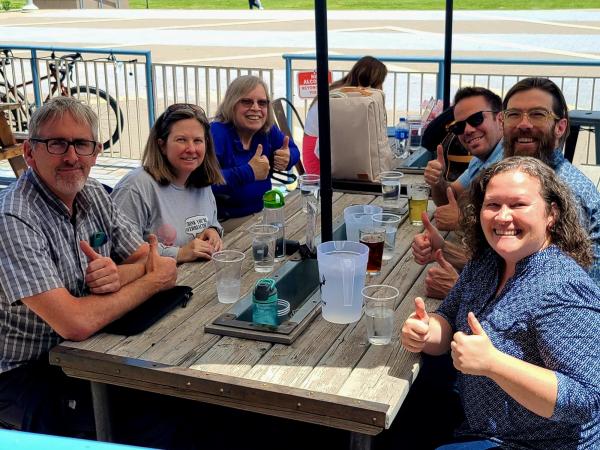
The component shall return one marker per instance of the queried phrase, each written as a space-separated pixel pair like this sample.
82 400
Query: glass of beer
418 195
374 238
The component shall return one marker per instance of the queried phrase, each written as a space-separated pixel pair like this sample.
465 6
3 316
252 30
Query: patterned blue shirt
547 314
588 198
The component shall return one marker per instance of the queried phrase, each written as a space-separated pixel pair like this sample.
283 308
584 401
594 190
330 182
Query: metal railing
409 85
201 85
110 81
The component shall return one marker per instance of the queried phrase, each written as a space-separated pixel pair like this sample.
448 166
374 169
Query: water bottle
401 135
273 202
264 302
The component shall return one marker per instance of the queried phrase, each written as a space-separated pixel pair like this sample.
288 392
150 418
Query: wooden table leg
101 411
359 441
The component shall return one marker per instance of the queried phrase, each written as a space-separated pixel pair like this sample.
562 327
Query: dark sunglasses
248 103
458 127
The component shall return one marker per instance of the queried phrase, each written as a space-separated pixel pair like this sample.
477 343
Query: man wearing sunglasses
58 277
478 128
536 123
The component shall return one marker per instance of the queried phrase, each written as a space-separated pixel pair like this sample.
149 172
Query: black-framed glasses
458 127
249 102
57 146
537 117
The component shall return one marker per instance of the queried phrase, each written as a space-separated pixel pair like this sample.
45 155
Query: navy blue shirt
588 198
242 194
547 314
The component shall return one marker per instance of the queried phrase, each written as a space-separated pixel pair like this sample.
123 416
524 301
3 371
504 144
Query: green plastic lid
273 199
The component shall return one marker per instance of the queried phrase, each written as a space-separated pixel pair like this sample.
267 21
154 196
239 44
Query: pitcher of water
342 268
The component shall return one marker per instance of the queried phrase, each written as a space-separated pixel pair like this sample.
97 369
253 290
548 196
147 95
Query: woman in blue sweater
248 147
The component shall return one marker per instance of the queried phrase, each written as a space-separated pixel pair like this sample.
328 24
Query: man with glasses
536 123
71 264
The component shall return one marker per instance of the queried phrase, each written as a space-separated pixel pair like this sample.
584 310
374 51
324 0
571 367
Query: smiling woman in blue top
522 321
248 146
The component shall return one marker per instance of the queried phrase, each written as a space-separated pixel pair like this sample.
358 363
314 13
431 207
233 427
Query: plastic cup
263 246
380 301
390 222
228 271
309 190
418 196
374 238
390 188
357 216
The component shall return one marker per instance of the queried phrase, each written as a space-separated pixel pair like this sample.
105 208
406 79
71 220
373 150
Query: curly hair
567 233
156 163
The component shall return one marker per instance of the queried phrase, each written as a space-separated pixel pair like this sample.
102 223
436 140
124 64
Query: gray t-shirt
174 214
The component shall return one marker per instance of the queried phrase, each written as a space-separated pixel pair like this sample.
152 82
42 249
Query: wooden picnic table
9 148
330 375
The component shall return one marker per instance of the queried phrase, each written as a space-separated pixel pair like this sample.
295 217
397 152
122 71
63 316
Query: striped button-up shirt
39 251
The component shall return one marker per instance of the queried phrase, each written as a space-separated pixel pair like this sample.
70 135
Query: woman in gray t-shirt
170 195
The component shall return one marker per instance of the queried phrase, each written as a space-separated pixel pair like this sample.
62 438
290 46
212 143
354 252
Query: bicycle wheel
110 116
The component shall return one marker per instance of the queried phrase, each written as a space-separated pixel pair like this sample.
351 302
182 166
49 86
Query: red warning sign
307 84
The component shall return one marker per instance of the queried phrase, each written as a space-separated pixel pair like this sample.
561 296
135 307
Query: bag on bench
360 148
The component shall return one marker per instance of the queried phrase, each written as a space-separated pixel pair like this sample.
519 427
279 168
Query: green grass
358 4
370 4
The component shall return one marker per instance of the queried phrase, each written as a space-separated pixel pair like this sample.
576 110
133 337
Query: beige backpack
360 148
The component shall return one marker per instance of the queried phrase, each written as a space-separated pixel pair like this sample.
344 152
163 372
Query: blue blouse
547 314
242 194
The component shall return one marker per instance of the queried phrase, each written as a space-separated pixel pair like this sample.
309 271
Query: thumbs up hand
440 278
281 157
473 354
426 243
446 216
101 275
260 164
161 270
435 168
415 331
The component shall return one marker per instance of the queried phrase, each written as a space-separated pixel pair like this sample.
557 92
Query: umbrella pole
324 130
448 53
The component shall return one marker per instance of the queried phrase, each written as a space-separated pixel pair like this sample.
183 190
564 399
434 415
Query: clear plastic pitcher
342 268
358 216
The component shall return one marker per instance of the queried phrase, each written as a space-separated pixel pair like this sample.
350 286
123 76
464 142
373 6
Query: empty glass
309 190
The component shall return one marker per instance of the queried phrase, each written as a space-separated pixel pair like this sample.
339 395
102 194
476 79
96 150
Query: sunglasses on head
458 127
175 107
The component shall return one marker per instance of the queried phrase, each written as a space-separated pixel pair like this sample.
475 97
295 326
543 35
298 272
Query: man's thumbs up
435 168
451 198
435 238
440 156
259 164
88 251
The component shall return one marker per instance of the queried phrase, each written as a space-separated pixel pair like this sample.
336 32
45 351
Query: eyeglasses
458 127
249 102
83 147
537 117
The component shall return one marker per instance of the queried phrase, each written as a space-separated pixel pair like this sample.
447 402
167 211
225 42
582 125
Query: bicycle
60 82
